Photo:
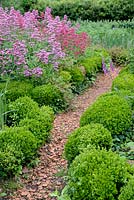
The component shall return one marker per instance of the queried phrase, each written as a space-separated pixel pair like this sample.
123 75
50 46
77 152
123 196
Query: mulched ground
43 179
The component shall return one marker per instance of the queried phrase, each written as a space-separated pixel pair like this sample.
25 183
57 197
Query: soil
45 178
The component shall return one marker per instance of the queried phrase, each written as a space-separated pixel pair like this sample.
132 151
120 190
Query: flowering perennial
30 42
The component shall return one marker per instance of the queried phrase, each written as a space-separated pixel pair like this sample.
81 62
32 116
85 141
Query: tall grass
109 34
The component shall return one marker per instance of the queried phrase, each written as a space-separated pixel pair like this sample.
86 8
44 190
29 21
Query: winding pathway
42 180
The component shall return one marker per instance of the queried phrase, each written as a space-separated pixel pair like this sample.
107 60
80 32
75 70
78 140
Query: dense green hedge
87 136
127 192
89 9
17 147
128 95
124 81
49 95
112 111
16 89
96 175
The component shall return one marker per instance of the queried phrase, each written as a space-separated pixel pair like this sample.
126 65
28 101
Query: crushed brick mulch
42 180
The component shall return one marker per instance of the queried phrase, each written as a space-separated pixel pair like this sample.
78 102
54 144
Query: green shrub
21 139
22 5
111 111
92 65
96 174
66 76
41 125
91 10
16 89
125 94
36 128
92 134
119 56
127 192
10 161
124 81
125 70
21 108
49 95
77 78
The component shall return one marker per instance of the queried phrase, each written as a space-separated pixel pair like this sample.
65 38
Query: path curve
42 180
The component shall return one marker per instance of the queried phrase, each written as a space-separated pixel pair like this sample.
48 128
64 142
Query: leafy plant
16 89
127 192
124 81
49 95
111 111
21 108
89 136
97 174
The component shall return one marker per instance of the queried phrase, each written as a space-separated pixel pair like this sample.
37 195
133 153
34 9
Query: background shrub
127 192
91 10
16 89
92 65
111 111
49 95
21 108
124 81
92 134
96 174
119 56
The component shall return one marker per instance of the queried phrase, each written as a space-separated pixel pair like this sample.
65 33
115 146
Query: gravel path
42 180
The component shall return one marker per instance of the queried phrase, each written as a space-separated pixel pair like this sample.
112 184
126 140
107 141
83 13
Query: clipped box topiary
124 81
112 111
49 95
96 175
127 192
41 124
10 161
21 139
16 89
21 108
87 136
125 94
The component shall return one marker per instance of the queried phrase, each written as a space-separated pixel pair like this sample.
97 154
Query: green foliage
127 192
22 5
77 78
108 34
96 174
66 76
125 70
119 56
10 161
87 136
124 81
91 10
21 108
21 139
131 60
49 95
37 128
92 65
17 147
128 95
16 89
41 125
111 111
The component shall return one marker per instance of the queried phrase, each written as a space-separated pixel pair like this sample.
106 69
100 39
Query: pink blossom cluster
31 40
